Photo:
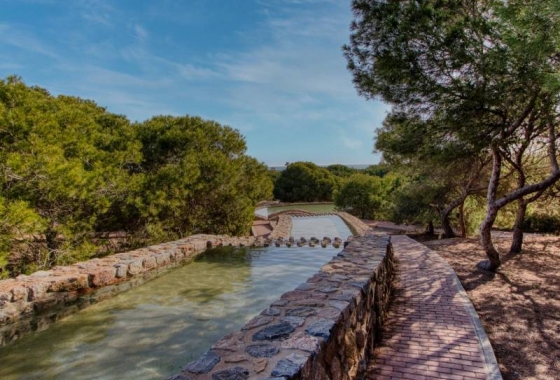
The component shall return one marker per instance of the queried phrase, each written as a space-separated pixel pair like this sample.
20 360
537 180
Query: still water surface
149 332
319 208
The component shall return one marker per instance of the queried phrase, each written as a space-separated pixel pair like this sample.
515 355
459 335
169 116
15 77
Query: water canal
151 331
317 208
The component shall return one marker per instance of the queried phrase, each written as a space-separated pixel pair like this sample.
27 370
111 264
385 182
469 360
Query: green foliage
17 222
543 223
474 210
70 170
379 170
360 195
342 171
464 78
411 203
304 182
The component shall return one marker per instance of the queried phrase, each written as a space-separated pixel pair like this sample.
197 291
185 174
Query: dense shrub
70 171
543 223
304 182
360 195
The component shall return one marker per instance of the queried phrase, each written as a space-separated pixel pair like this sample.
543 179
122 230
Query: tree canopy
304 182
71 172
482 73
361 195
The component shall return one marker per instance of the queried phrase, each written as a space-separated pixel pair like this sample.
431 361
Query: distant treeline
78 181
403 193
361 192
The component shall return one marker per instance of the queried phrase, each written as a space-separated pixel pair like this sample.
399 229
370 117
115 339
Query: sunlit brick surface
430 333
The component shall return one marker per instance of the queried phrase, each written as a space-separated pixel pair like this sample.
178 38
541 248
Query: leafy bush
360 195
304 182
71 170
543 223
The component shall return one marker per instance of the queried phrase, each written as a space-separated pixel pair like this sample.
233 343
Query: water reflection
318 208
150 331
330 226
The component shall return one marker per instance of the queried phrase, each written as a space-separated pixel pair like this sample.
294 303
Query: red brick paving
430 331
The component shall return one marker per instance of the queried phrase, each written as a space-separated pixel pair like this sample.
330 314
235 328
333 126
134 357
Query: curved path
432 330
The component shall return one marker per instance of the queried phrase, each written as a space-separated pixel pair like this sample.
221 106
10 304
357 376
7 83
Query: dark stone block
286 368
262 350
301 312
235 373
179 377
359 284
204 364
271 311
294 321
320 329
279 303
328 289
342 297
275 332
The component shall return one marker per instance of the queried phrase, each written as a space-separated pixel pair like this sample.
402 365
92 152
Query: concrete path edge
491 363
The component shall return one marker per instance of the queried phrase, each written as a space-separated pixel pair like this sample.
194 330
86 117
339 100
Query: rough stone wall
321 330
31 303
283 228
357 227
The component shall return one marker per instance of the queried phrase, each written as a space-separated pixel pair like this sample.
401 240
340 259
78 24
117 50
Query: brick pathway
432 330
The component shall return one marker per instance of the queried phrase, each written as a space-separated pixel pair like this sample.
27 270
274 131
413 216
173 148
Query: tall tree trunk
444 214
430 228
493 261
492 209
494 204
446 224
462 220
517 240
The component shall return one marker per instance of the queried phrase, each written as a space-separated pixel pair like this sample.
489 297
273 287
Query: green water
151 331
318 208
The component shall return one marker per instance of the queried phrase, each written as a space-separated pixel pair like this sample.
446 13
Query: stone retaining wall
284 227
32 303
357 227
321 330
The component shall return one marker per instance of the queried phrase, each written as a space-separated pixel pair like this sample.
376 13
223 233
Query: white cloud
95 11
25 41
283 80
140 33
352 143
9 66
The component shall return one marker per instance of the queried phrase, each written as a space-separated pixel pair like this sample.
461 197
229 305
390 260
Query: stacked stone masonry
324 329
284 225
32 303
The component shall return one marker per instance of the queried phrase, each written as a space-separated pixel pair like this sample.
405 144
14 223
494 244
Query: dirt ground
519 305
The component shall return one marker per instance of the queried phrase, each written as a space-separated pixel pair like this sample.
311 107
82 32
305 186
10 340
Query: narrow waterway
331 226
149 332
318 208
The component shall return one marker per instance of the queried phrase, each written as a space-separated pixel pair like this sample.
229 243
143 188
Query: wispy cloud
9 66
280 75
140 33
352 143
95 11
25 41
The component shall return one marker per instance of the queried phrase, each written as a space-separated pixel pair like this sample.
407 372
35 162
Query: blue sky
273 69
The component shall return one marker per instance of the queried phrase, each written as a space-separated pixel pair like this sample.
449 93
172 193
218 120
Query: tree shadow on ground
519 305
